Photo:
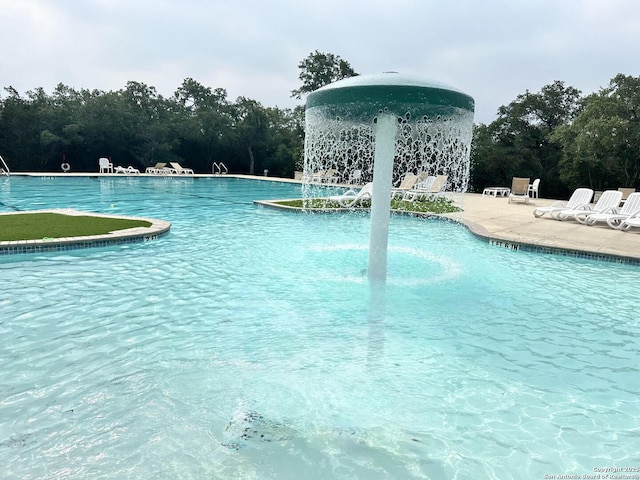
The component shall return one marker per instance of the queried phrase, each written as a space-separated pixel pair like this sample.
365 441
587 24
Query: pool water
248 344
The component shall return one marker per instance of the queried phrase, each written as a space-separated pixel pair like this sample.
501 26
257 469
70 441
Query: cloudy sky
492 50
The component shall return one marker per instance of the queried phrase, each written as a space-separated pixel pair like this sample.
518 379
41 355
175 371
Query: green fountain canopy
392 92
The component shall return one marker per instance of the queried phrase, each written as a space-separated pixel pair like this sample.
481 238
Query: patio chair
519 189
608 202
615 216
352 197
179 169
105 165
355 176
581 196
533 188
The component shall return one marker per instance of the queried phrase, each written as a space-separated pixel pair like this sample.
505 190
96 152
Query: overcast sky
492 50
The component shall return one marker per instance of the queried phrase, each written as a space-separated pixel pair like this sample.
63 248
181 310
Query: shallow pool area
248 343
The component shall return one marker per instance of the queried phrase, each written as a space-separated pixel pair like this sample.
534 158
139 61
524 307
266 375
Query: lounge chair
519 189
329 176
315 177
180 170
632 221
157 169
433 186
351 197
439 185
129 170
607 203
407 183
615 217
105 165
581 196
626 192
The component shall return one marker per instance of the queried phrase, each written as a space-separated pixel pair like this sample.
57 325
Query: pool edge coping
157 229
478 231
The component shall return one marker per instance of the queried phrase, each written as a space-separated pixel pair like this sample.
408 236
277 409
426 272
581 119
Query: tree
602 146
203 122
251 126
518 142
320 69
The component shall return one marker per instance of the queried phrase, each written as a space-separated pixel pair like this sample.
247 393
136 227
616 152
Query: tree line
565 139
136 126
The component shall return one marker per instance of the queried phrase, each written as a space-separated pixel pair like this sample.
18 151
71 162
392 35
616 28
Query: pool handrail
219 168
4 169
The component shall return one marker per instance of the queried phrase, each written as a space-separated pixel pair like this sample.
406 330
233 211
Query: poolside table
495 191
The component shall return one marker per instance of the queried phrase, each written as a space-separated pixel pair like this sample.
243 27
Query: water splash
380 128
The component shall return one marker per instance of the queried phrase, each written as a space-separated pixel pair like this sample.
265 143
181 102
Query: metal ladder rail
4 169
219 168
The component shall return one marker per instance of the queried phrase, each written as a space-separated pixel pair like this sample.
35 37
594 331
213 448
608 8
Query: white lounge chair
105 165
129 170
615 216
608 202
628 223
315 177
352 197
580 196
519 189
179 169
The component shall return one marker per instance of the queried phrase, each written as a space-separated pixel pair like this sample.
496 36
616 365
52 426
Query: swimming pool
248 344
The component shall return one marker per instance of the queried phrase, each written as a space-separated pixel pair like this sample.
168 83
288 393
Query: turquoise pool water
248 344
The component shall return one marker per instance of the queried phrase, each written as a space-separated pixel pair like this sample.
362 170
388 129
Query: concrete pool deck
494 218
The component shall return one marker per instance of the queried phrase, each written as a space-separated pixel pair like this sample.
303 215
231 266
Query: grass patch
429 205
37 226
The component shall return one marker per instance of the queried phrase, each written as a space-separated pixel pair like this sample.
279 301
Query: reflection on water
249 343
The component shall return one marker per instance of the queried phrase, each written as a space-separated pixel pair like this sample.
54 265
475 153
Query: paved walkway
495 218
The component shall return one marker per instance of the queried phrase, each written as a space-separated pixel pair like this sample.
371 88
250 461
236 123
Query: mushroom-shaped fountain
384 126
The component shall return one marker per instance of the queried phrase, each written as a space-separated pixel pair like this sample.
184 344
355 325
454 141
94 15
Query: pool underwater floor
512 226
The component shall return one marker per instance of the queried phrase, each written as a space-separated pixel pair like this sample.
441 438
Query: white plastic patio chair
105 165
533 188
355 176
